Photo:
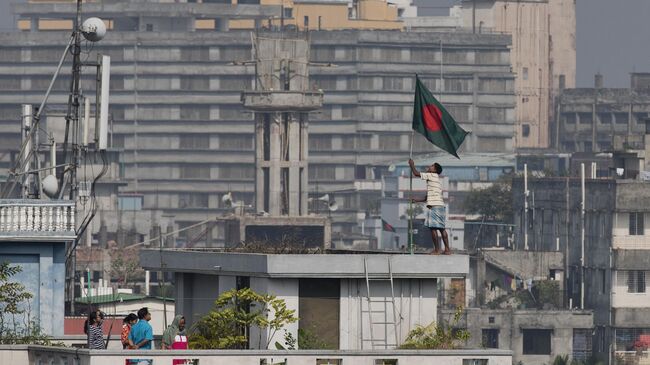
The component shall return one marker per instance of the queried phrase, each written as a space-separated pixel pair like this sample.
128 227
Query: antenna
102 128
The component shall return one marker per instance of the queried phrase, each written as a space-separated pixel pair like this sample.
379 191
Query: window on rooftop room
318 305
475 361
525 130
636 224
490 338
537 341
329 361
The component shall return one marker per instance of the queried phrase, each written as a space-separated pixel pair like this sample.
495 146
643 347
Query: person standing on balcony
437 214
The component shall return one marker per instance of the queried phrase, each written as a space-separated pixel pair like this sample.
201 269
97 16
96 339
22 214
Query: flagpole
411 198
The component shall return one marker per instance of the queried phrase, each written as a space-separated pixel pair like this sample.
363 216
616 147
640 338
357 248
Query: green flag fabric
434 122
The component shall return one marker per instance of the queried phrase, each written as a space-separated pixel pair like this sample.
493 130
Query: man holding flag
435 123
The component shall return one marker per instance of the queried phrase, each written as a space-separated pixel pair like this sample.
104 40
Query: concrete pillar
304 151
294 164
274 188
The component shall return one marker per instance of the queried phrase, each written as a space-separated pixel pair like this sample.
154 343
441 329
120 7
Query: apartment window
582 344
149 27
525 73
129 202
194 141
236 142
389 142
193 200
490 338
636 224
525 130
236 172
537 342
320 173
306 21
320 142
288 12
635 281
195 171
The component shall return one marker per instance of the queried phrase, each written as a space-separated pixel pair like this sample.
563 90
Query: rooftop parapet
43 220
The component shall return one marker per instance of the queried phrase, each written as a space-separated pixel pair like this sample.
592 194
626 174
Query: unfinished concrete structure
601 119
281 100
607 264
351 301
535 337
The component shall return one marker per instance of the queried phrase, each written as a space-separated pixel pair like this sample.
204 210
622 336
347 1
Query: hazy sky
613 36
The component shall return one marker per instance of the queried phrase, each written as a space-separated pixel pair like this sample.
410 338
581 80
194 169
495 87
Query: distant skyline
612 37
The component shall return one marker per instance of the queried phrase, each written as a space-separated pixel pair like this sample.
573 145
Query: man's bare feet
435 252
447 252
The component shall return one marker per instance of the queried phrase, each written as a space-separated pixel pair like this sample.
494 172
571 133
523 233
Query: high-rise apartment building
186 138
543 56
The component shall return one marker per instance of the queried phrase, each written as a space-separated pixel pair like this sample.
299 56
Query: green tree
16 324
493 203
437 335
234 313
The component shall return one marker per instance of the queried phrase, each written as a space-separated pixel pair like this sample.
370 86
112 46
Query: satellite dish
325 198
50 186
93 29
391 167
227 199
333 207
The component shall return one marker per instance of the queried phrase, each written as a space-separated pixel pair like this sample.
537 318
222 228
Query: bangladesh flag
434 122
386 226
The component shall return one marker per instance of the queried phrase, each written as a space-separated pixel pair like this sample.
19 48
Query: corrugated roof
120 297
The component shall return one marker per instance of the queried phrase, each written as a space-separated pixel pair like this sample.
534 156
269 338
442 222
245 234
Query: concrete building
607 265
187 140
535 337
330 293
603 119
221 15
34 235
543 55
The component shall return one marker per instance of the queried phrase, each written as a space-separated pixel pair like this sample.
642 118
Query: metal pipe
526 206
582 236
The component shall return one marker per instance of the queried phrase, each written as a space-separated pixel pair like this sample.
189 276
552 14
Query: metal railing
632 358
36 217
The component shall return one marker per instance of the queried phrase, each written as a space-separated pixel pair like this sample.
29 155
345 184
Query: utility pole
582 236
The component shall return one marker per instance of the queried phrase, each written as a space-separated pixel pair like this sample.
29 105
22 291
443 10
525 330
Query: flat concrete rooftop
305 265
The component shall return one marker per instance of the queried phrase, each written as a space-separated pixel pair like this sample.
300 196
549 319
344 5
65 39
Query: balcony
30 219
631 242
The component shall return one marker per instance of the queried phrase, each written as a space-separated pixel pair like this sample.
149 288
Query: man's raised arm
414 171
